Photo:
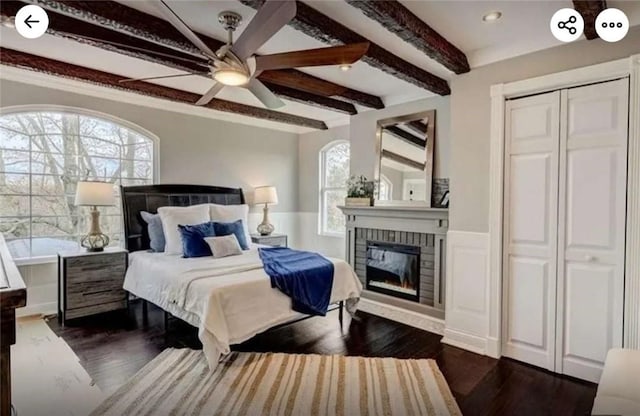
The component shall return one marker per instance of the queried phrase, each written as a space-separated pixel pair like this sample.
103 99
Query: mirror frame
430 154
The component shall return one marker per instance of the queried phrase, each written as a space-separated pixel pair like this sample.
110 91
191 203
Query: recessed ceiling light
345 67
492 16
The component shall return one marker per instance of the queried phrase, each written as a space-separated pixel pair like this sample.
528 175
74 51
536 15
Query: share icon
565 25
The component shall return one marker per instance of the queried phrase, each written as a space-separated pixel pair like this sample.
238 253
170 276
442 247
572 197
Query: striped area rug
178 382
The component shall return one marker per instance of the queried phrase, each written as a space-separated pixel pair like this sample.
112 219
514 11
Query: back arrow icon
27 21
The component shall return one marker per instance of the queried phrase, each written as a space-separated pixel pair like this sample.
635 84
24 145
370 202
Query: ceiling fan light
231 77
345 67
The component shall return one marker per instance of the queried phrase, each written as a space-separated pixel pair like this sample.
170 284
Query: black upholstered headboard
151 197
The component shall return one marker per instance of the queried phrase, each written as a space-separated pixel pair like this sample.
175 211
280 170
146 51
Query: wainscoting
467 295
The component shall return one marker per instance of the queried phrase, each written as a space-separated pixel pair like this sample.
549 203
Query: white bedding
229 299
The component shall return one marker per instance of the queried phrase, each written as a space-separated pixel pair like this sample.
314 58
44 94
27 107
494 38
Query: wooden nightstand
275 240
91 283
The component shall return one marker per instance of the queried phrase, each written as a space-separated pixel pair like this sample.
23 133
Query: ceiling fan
235 63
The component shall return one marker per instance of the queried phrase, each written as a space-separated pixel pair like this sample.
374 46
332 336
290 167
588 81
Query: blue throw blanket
307 278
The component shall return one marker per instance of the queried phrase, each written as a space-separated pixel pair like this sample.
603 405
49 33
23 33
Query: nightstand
91 283
275 240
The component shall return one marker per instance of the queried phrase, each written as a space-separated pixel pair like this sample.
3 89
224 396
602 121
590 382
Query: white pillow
224 246
173 216
231 213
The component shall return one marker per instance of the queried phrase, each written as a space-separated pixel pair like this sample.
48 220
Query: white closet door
530 229
593 171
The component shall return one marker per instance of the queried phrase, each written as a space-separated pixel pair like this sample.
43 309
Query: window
334 173
43 154
385 188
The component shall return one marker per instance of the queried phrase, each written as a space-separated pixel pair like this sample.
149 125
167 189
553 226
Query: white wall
194 150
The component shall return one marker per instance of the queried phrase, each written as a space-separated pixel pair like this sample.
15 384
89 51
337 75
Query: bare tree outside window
43 155
334 166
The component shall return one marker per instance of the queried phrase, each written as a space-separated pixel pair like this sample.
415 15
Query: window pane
334 218
337 165
14 227
42 157
14 205
11 183
54 226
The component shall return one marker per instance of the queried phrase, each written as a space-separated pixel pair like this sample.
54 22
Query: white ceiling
524 28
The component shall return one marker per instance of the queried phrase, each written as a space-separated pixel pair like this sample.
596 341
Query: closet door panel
531 189
592 207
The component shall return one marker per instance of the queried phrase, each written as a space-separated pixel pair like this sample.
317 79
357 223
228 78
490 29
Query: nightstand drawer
273 241
95 297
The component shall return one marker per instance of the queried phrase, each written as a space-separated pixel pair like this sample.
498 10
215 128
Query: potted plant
359 191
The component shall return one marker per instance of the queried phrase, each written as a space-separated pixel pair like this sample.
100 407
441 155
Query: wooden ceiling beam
118 18
396 18
62 69
405 136
590 9
320 27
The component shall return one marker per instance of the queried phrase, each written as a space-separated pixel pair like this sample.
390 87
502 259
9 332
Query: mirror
406 149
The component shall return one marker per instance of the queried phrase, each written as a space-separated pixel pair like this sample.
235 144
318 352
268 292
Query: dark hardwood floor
112 347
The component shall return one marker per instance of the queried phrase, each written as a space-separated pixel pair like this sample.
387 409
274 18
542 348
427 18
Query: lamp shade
95 194
265 195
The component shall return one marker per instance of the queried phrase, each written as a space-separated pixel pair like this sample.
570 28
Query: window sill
30 261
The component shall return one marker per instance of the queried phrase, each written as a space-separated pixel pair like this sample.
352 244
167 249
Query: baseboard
467 342
493 347
39 309
411 318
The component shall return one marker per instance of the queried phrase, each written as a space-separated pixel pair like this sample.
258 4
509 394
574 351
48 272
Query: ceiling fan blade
264 94
208 96
182 27
333 55
122 81
272 16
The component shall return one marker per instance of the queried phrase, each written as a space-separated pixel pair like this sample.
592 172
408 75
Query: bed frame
151 197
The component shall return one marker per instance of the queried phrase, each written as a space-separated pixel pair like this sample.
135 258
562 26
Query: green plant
360 187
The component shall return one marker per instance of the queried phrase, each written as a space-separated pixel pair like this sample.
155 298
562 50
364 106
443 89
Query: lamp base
265 227
95 241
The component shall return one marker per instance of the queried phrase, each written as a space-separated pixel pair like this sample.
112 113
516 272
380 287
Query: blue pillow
236 228
154 229
192 236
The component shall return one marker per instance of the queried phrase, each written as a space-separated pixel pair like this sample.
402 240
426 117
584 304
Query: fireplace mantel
410 224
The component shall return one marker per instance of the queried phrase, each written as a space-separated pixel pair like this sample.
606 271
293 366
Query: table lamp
94 195
265 195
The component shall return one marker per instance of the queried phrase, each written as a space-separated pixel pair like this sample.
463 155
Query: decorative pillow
173 216
236 228
231 213
224 246
154 229
193 244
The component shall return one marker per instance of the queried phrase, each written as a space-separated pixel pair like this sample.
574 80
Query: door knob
589 258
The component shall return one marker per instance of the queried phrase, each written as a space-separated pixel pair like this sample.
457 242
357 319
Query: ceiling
522 29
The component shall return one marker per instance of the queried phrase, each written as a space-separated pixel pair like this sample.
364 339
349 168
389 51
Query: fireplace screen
393 269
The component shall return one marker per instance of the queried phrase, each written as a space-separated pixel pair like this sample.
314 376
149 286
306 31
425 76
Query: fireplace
393 269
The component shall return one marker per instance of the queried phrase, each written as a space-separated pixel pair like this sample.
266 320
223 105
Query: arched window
334 173
43 154
385 189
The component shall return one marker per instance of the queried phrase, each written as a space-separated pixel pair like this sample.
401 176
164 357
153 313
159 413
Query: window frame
324 189
155 141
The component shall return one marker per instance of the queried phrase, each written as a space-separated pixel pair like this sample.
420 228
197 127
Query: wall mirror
406 147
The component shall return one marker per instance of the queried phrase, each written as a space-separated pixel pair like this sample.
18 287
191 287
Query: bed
228 299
